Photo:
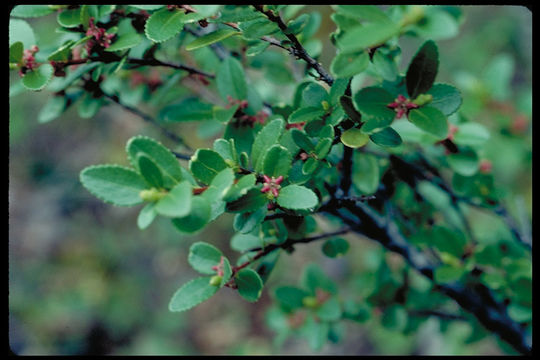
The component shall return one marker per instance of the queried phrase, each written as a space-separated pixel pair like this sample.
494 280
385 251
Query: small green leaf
222 114
349 64
354 138
205 164
245 242
430 120
192 293
387 137
249 284
385 66
268 136
16 52
203 256
53 108
446 98
244 184
305 114
323 147
164 24
197 219
290 297
366 172
314 278
366 36
161 156
177 203
125 41
146 216
302 140
372 102
296 197
63 52
348 106
150 171
330 310
310 166
231 80
423 69
472 134
277 161
38 78
335 247
69 17
148 7
190 109
31 11
448 273
251 201
20 30
113 184
246 222
364 12
465 162
211 38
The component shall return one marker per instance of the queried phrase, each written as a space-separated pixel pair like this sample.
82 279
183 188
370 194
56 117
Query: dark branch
297 48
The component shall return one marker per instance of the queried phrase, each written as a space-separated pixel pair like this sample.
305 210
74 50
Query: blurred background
84 280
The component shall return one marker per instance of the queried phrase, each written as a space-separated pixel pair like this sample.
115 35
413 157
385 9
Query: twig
297 49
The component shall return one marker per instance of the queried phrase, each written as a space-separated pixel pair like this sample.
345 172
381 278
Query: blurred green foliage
78 288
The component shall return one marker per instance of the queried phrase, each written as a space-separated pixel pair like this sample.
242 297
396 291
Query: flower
272 185
402 105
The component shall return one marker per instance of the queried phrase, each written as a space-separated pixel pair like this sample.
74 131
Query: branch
297 49
475 298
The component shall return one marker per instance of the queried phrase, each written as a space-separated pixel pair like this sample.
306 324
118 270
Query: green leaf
448 241
205 164
348 106
38 78
310 166
313 95
296 197
438 25
290 297
422 70
471 134
277 161
354 138
251 201
89 106
268 136
16 52
31 11
246 222
125 41
364 12
465 162
87 12
239 189
302 140
314 278
177 203
448 274
372 102
203 256
146 216
385 66
161 156
221 183
54 107
20 30
335 247
330 310
150 171
69 17
446 98
323 147
190 109
222 114
113 184
257 28
63 52
249 284
192 293
430 120
349 64
394 318
366 172
245 242
197 219
231 80
305 114
211 38
387 137
367 36
164 24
